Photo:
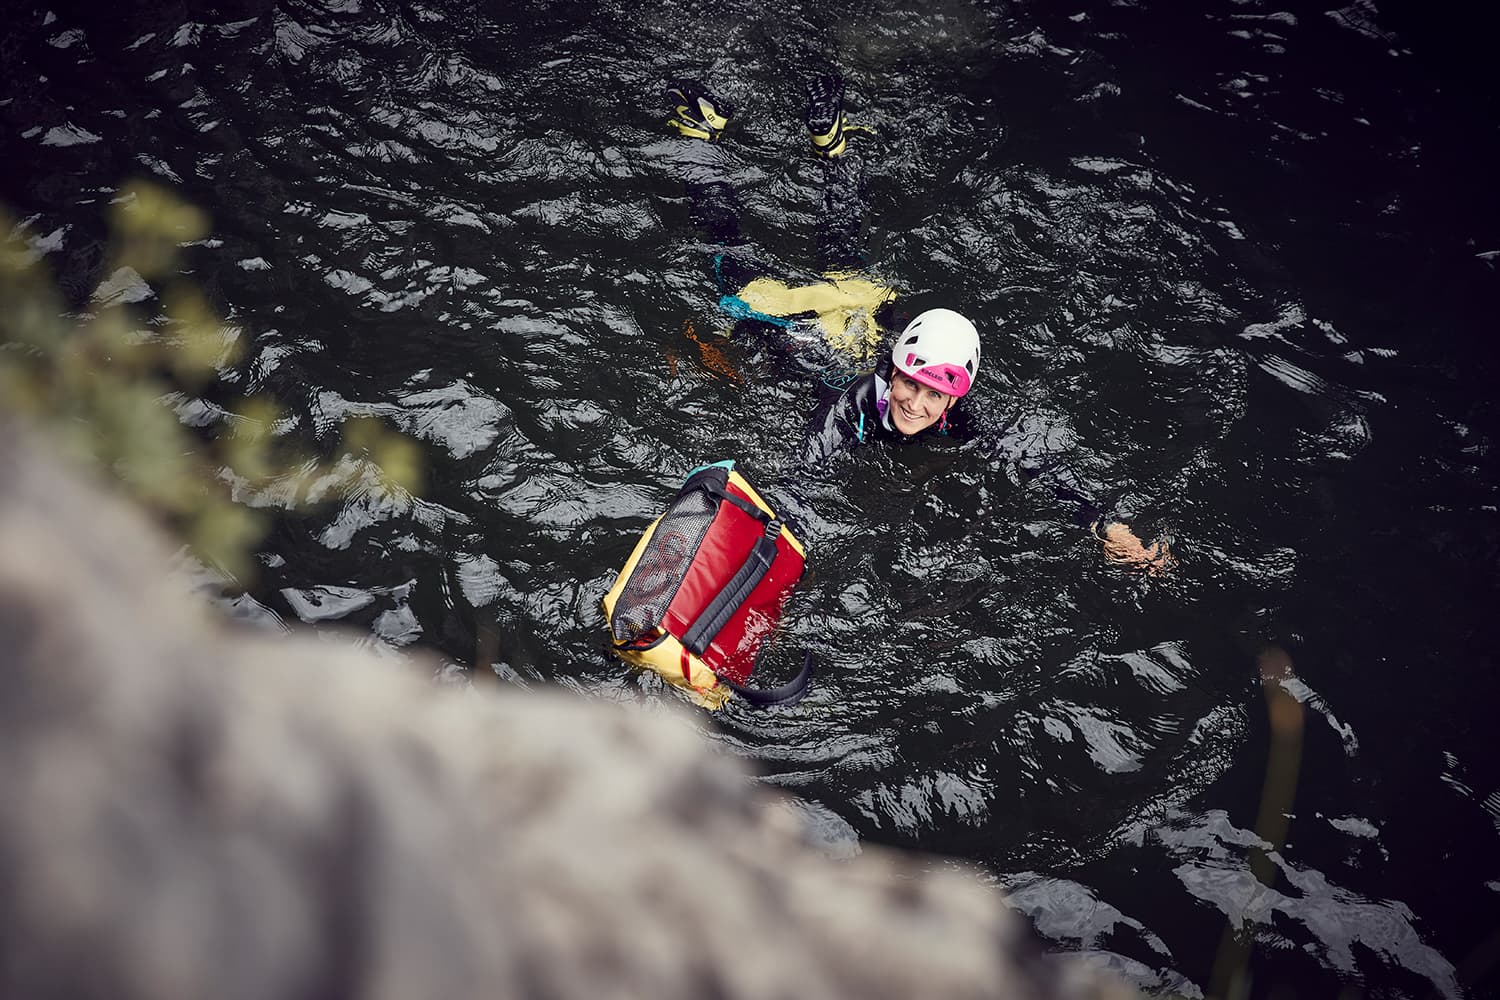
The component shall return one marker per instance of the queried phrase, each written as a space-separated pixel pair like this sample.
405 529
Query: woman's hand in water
1122 545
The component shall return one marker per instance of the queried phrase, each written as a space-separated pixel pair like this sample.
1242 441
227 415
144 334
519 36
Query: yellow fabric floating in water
845 305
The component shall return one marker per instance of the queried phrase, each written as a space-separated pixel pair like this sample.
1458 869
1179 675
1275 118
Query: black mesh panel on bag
644 600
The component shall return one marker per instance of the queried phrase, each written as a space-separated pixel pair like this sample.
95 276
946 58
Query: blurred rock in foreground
190 811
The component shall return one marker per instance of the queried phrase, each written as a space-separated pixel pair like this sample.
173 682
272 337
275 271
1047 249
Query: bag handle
787 694
712 480
728 600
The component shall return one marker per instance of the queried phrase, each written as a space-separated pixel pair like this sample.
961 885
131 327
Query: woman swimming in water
915 390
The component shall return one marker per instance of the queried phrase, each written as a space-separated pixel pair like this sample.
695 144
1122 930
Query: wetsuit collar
883 402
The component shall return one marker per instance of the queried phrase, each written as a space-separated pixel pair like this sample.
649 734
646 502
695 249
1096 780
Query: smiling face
914 406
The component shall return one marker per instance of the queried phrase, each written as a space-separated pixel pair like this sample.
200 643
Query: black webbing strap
728 600
712 480
721 494
787 694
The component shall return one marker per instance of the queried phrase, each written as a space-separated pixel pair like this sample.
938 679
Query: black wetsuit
850 411
857 413
854 415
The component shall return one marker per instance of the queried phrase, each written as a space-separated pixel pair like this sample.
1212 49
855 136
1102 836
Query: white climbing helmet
940 348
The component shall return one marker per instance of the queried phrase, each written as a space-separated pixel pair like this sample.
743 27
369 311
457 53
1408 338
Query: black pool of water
1237 266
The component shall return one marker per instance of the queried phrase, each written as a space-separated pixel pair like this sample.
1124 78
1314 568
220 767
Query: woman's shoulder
849 388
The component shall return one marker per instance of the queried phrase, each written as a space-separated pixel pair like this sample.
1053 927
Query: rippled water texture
1233 266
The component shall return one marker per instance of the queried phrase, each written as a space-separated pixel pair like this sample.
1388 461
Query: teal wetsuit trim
737 308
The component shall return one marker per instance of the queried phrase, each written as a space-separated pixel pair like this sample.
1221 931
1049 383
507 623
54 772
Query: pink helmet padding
950 379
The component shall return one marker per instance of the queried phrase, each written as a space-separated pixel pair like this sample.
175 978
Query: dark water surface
1237 264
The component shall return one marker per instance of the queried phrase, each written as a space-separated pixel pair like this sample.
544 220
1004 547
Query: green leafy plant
102 384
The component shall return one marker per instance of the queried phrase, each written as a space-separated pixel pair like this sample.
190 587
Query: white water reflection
1313 913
